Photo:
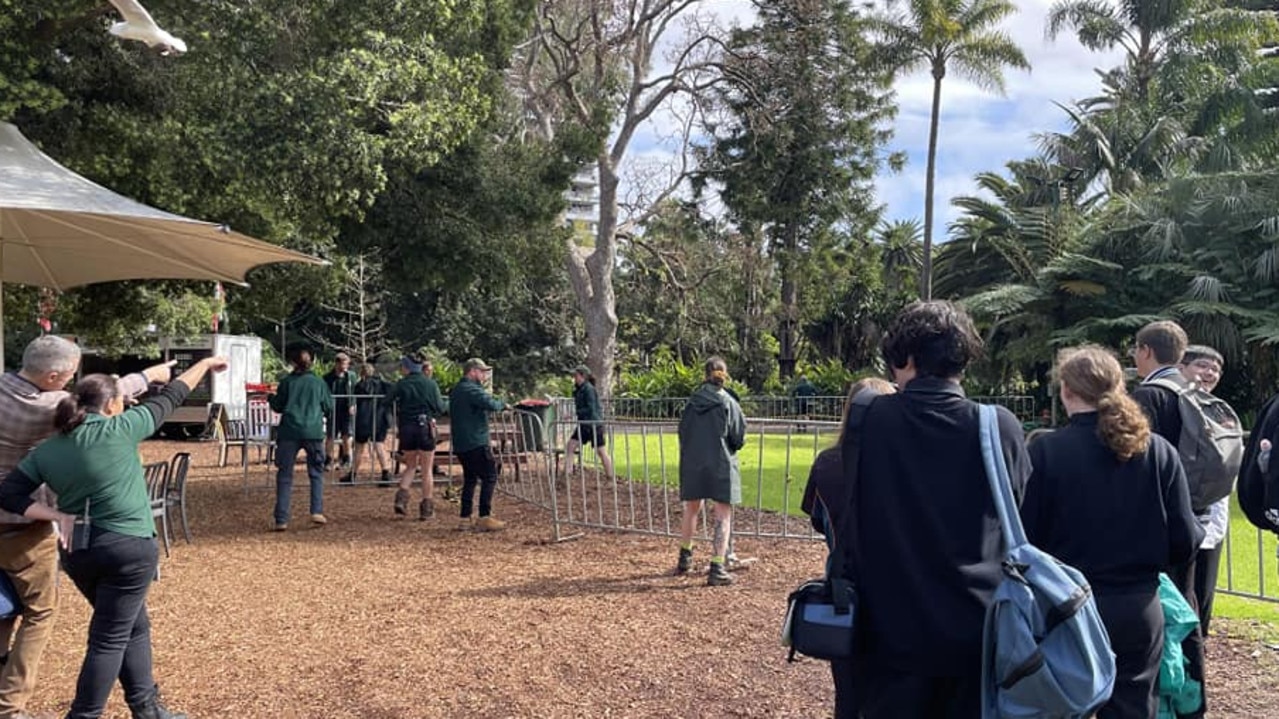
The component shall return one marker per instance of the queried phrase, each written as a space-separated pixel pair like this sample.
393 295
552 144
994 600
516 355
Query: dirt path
377 618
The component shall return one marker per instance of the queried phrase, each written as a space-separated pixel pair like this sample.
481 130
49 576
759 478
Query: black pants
478 466
1135 623
845 689
1207 565
114 574
1183 576
886 693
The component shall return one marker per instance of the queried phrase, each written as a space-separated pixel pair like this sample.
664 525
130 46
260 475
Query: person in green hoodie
469 407
712 430
303 400
417 403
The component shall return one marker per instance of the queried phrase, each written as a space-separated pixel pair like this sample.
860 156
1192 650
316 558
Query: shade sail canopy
59 230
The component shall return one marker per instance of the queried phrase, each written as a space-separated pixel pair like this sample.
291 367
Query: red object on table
254 388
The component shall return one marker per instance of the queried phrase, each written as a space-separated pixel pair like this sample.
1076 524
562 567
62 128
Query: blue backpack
1045 651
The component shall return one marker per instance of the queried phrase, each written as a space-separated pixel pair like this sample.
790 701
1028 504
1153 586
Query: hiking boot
280 527
426 509
385 481
466 525
319 519
348 478
490 524
154 709
402 501
685 561
718 576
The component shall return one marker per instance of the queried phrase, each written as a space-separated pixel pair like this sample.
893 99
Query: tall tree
807 102
594 69
281 121
942 36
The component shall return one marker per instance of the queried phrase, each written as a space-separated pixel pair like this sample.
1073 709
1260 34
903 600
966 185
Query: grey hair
50 353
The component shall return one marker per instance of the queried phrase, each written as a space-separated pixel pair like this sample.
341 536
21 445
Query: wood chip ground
374 617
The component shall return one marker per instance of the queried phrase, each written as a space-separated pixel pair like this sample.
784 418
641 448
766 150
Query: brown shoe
489 524
280 527
466 525
318 519
401 501
426 509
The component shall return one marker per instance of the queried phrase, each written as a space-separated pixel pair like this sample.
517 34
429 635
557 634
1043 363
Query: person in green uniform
373 418
418 402
469 407
590 418
712 430
341 382
94 466
303 400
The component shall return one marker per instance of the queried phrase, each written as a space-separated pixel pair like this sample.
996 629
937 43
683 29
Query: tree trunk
930 182
591 274
790 311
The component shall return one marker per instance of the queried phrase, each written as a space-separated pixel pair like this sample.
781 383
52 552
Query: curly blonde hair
1094 375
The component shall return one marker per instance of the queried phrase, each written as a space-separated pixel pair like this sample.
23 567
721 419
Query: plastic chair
175 497
157 476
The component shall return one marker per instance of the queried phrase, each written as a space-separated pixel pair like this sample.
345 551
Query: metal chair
157 476
175 496
258 425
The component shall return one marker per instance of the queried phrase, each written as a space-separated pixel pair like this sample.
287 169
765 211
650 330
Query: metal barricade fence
633 483
826 408
640 491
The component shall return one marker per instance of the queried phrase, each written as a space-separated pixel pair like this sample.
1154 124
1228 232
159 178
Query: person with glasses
1204 365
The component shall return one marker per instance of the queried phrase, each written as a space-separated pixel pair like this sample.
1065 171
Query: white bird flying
139 26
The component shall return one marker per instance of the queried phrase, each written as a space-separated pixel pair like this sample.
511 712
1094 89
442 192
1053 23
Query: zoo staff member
341 382
94 466
590 418
417 403
469 408
29 549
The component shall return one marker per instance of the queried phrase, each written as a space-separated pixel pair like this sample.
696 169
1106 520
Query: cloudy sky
979 131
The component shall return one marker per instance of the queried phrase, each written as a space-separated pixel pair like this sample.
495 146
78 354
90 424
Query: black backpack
1258 477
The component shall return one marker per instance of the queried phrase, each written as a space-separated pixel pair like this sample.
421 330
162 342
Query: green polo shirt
416 394
302 399
99 462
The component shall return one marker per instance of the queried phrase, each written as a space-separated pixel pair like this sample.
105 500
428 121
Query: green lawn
775 469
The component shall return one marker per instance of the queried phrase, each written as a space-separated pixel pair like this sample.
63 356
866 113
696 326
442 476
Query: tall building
583 214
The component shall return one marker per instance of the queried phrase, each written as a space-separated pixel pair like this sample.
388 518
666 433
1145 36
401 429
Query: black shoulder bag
820 613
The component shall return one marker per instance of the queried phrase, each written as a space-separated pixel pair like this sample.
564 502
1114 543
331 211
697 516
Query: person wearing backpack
1204 365
924 503
825 501
1167 399
1110 499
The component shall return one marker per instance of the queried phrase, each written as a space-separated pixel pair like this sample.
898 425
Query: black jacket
1162 408
928 548
1120 523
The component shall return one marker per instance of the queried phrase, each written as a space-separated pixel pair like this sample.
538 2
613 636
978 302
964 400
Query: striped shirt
26 420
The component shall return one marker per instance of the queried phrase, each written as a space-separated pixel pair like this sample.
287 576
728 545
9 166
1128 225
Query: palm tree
948 35
1154 33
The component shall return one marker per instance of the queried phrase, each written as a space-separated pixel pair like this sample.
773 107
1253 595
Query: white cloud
979 131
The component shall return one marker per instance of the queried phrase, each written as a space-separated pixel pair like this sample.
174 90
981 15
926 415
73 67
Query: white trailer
226 388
